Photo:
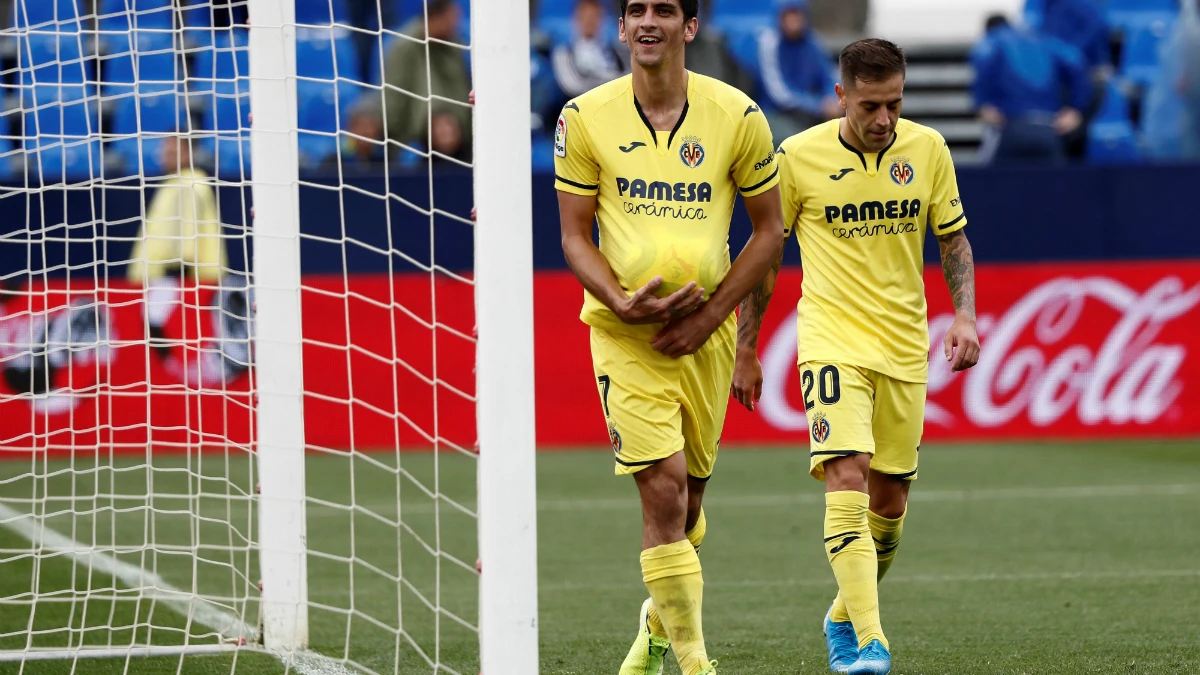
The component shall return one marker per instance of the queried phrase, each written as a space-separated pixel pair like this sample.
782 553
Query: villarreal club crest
691 152
820 427
902 171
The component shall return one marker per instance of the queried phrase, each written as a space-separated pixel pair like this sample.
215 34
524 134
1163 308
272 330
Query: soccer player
859 192
658 158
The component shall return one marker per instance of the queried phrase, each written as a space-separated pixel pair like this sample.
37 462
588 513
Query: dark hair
439 7
996 21
690 8
871 60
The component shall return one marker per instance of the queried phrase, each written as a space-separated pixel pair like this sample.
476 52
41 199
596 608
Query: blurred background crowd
95 87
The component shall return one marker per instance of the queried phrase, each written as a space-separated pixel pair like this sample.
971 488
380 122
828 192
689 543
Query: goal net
266 386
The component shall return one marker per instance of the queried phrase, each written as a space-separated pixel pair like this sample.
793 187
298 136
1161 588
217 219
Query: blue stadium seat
319 110
743 45
59 130
319 51
57 111
197 24
8 149
1111 137
1033 13
228 108
147 58
57 15
379 50
230 154
741 16
119 16
70 161
1139 59
321 12
409 9
52 58
151 114
227 60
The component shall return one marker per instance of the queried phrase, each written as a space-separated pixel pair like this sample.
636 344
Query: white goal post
218 519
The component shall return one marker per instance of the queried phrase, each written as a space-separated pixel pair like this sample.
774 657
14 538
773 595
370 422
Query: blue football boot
874 659
841 642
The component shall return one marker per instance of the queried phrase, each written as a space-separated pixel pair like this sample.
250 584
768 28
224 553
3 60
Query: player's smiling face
872 109
656 31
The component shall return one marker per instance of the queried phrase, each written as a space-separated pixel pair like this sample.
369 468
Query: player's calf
670 566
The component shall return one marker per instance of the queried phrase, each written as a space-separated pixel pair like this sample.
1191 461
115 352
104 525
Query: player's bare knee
847 473
889 495
664 493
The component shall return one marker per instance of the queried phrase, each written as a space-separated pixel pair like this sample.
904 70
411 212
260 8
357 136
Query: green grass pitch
1020 558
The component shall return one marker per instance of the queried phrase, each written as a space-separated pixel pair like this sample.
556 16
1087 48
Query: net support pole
278 358
504 355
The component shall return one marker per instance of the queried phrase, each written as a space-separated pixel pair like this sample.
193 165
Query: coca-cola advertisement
1076 350
1067 350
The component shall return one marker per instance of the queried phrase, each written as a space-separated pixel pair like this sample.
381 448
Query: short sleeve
946 210
754 169
789 188
575 168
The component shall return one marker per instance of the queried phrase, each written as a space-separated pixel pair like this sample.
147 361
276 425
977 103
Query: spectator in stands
1081 24
589 60
796 72
402 111
1020 78
709 55
181 237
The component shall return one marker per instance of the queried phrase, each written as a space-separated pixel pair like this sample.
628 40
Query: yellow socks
852 556
695 537
696 534
672 574
886 533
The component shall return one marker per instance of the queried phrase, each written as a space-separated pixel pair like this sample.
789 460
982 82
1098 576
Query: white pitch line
805 498
201 611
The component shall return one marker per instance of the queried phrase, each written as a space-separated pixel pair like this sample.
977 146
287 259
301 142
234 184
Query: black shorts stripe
837 453
703 479
646 463
843 534
908 474
768 179
572 183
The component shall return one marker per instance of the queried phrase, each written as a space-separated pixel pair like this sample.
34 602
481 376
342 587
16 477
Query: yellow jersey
665 197
860 220
182 231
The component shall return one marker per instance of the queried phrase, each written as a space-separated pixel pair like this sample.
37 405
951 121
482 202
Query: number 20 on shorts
827 382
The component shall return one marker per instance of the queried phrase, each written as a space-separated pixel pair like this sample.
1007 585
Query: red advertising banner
1069 350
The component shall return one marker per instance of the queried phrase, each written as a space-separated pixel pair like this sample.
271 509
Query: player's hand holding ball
645 307
962 343
747 378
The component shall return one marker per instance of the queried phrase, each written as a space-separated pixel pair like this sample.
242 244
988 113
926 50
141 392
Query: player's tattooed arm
958 266
961 345
754 307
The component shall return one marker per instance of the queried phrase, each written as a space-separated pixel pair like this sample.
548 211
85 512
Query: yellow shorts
656 406
853 410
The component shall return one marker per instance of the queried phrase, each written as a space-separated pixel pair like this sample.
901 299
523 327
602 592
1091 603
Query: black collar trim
853 149
682 116
862 158
879 159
